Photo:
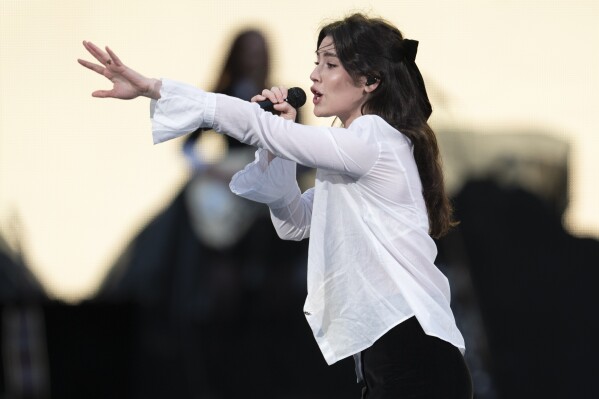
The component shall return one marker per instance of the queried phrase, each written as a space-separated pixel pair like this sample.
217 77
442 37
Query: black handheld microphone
296 97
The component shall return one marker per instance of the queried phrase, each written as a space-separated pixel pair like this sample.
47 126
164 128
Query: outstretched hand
127 83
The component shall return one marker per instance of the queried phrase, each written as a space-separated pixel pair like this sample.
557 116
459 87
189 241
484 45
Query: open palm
127 83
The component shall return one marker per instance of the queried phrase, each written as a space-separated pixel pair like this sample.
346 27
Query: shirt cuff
271 183
181 109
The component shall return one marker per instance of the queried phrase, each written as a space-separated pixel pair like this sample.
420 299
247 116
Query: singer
374 292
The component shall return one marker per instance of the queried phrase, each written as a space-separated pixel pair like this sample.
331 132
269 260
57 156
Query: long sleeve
183 108
292 222
180 110
274 183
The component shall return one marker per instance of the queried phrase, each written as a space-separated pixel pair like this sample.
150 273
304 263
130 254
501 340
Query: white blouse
371 260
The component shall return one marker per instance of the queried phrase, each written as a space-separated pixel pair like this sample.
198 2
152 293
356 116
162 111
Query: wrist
154 89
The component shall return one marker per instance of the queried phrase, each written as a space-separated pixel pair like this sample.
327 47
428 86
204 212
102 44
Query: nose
315 76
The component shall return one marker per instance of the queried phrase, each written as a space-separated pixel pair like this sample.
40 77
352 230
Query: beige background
78 175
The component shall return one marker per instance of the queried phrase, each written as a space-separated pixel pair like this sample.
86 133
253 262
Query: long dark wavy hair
374 49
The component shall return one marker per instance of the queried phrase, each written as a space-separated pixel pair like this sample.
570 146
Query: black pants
406 363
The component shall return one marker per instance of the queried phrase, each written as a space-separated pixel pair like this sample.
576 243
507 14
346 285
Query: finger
286 110
117 61
90 65
96 52
267 94
257 97
278 94
284 92
102 93
284 107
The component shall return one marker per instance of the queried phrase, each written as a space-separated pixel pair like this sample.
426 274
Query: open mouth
317 95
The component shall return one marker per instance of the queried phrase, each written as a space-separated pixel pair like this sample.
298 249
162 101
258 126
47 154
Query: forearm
292 222
183 108
267 180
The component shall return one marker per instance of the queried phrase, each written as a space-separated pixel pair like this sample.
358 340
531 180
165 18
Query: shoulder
370 121
377 126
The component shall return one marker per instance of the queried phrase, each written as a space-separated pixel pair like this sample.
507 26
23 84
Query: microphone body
296 97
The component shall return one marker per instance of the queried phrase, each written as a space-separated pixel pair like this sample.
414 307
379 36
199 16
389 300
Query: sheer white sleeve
183 108
292 222
274 183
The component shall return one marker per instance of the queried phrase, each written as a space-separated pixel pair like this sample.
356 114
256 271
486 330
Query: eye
330 65
316 63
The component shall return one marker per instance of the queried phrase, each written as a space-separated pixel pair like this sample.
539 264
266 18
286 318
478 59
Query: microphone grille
296 97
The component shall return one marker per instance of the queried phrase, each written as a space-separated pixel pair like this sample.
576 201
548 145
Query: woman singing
374 292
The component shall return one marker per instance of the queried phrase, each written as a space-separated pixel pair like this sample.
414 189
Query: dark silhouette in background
533 282
23 372
17 282
49 349
247 67
535 285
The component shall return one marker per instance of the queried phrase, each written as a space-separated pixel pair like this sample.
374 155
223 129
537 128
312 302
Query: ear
371 83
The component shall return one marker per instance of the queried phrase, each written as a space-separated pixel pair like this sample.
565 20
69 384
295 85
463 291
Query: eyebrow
327 54
327 51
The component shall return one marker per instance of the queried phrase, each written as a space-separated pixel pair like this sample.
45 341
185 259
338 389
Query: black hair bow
409 48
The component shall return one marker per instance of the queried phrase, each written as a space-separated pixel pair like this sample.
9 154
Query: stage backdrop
79 175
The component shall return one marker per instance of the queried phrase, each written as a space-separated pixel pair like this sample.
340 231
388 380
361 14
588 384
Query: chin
321 114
